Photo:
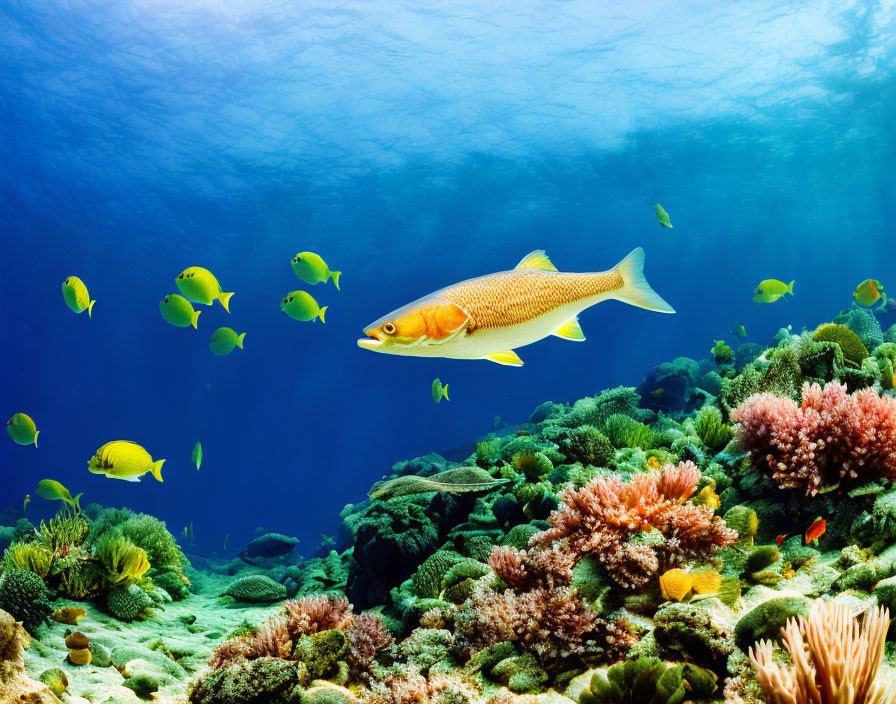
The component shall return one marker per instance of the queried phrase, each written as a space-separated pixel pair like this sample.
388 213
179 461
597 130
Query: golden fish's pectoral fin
570 330
536 260
508 358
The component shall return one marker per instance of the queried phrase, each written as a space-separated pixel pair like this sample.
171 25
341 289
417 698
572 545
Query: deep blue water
412 145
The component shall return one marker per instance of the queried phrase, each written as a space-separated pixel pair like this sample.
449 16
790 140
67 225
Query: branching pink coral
366 637
536 567
831 436
411 687
604 516
555 625
320 612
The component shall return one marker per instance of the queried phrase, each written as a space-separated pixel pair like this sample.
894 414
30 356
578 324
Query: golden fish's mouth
372 341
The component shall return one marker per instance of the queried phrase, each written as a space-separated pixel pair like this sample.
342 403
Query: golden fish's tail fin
321 314
36 433
90 309
335 276
635 290
790 287
224 298
239 340
157 470
194 319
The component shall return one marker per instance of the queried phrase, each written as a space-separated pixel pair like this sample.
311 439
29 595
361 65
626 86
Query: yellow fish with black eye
311 269
200 286
300 305
122 459
869 292
76 296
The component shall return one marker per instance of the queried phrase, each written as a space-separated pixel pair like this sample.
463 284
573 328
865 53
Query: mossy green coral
624 431
711 428
854 350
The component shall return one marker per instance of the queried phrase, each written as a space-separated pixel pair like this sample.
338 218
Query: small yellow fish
300 305
25 503
122 459
224 340
178 311
439 391
662 216
197 455
310 268
739 331
22 429
707 497
868 292
771 290
201 286
76 297
51 490
487 317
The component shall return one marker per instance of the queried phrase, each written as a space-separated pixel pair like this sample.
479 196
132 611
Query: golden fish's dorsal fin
536 260
508 358
570 330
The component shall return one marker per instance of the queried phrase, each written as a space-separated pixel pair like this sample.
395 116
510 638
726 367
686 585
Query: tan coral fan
840 666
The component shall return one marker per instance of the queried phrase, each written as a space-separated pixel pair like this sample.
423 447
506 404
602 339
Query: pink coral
601 518
832 436
320 612
536 567
366 637
555 625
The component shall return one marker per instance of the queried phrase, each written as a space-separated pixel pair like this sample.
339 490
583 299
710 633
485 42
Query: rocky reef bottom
726 531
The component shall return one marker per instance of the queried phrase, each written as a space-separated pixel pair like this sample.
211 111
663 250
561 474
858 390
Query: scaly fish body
487 317
121 459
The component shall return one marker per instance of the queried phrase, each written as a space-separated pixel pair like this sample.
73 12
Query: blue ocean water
412 146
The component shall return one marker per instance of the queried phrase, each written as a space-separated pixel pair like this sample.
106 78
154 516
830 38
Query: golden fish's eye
389 328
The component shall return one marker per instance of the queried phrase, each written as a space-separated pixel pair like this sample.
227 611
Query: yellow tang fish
76 297
487 317
121 459
869 292
200 286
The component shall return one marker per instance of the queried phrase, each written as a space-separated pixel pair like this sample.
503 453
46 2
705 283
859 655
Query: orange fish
816 530
780 539
488 317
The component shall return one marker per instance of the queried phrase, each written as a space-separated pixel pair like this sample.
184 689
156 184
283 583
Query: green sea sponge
427 580
590 581
261 681
477 547
712 429
143 685
461 591
533 466
863 323
761 557
467 569
172 582
885 355
624 431
744 520
25 597
486 452
55 679
783 377
255 589
321 652
767 619
722 353
648 680
518 536
521 674
426 646
588 445
854 350
128 603
595 410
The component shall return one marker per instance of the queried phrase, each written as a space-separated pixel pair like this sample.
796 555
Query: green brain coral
24 596
128 603
255 589
427 580
647 680
854 351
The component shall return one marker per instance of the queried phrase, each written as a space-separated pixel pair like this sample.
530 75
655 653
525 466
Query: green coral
533 466
261 681
25 597
711 428
521 674
143 685
255 589
321 653
125 563
427 580
854 350
31 557
597 409
588 445
518 536
648 680
744 520
767 619
127 603
467 569
863 323
624 431
172 582
722 353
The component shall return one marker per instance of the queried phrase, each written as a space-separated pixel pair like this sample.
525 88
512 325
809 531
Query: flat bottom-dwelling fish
452 481
488 317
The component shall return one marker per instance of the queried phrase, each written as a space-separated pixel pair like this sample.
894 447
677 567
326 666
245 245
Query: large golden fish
489 316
